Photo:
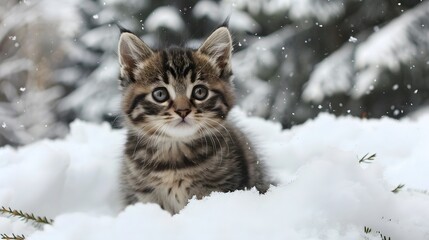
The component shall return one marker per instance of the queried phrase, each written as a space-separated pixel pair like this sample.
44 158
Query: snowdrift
324 192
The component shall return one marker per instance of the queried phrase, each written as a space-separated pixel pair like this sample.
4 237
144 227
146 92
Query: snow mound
323 191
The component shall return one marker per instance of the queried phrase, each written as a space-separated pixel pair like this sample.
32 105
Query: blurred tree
293 58
364 58
31 49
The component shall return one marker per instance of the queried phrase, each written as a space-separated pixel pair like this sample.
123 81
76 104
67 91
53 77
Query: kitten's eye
200 92
160 94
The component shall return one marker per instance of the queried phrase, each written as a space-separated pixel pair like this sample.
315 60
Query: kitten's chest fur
171 189
171 173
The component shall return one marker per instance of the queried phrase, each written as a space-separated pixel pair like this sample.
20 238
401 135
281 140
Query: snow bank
324 193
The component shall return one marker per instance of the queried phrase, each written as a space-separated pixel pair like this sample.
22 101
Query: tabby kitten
180 143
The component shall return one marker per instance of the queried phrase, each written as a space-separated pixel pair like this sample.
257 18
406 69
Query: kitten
180 143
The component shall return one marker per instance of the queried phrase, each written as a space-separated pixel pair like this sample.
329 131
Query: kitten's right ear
131 51
218 47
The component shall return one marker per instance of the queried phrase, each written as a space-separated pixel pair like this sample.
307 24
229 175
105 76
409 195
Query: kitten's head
176 92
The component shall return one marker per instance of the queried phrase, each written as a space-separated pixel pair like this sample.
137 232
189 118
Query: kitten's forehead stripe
191 66
165 66
178 62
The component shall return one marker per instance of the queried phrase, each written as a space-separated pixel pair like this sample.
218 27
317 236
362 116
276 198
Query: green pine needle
384 237
26 216
368 159
367 229
398 188
13 237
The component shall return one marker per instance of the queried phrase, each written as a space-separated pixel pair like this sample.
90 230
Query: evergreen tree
293 58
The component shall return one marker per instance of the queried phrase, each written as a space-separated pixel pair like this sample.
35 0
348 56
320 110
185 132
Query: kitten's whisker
217 139
140 137
116 118
154 139
162 132
223 137
211 138
220 124
205 139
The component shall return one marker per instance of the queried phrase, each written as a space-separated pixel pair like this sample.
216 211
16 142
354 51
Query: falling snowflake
352 39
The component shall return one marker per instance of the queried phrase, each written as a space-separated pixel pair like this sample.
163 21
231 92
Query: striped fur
183 146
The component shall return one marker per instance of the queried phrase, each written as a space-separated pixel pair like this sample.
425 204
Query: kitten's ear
131 50
218 47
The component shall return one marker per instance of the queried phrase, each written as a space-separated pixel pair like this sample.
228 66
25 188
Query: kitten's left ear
218 47
131 50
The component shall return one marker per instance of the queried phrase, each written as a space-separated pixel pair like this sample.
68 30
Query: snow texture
167 17
218 12
333 75
323 192
410 32
259 57
321 10
356 70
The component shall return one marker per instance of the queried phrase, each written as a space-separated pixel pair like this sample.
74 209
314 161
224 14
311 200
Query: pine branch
368 159
13 237
25 216
398 188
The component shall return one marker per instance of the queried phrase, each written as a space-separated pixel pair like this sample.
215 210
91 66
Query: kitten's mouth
183 123
182 128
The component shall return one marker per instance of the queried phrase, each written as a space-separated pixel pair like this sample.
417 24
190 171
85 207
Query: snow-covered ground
323 192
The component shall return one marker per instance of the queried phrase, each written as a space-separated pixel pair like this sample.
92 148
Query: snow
99 38
331 76
323 192
259 57
381 50
321 10
208 9
218 12
353 39
167 17
369 58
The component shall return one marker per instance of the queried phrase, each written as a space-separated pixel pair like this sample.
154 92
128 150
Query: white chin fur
180 129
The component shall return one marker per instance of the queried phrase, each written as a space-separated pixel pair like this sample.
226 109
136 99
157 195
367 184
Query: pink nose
183 112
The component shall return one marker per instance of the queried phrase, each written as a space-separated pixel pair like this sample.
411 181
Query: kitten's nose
183 112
